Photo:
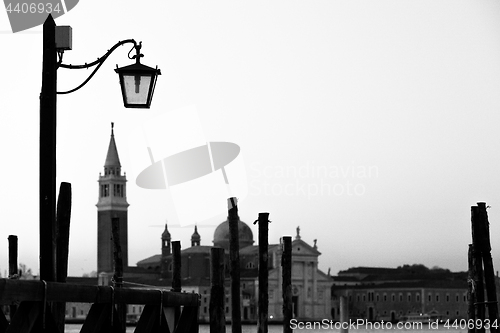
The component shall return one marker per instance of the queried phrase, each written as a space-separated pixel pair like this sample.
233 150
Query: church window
250 264
417 297
105 190
205 309
409 297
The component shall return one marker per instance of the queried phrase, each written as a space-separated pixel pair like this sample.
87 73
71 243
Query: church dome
221 235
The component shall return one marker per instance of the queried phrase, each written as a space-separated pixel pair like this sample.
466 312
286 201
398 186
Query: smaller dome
165 234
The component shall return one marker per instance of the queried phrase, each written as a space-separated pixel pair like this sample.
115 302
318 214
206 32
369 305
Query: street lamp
137 82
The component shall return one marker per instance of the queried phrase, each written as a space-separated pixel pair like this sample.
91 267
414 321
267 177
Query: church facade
311 287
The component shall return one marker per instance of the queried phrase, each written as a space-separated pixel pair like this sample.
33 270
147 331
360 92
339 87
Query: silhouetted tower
165 242
112 204
195 237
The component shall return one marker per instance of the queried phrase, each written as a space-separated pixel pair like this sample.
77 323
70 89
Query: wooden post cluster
286 263
263 304
217 294
479 256
234 264
32 294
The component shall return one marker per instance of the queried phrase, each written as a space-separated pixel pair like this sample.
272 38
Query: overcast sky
372 125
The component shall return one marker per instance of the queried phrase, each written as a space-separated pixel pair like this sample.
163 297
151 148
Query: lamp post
137 82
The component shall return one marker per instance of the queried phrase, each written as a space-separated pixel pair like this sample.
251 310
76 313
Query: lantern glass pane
136 88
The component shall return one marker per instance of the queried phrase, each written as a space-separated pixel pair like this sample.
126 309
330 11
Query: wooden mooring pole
217 292
262 320
176 275
176 266
286 263
234 264
13 266
482 255
63 218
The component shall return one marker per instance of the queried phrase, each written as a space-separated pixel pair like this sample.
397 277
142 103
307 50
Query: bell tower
112 204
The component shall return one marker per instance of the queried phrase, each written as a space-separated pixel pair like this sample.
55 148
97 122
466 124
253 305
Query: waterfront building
392 294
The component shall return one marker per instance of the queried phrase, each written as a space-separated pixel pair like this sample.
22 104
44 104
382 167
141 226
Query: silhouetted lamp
137 82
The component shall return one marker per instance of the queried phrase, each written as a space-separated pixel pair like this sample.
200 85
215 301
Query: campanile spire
112 204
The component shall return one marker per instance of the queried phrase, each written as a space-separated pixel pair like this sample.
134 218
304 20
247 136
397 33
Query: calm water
279 329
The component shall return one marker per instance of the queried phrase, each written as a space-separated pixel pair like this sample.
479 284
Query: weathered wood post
118 273
234 264
263 303
286 263
63 217
471 292
176 275
176 266
344 314
489 273
13 266
480 312
217 292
